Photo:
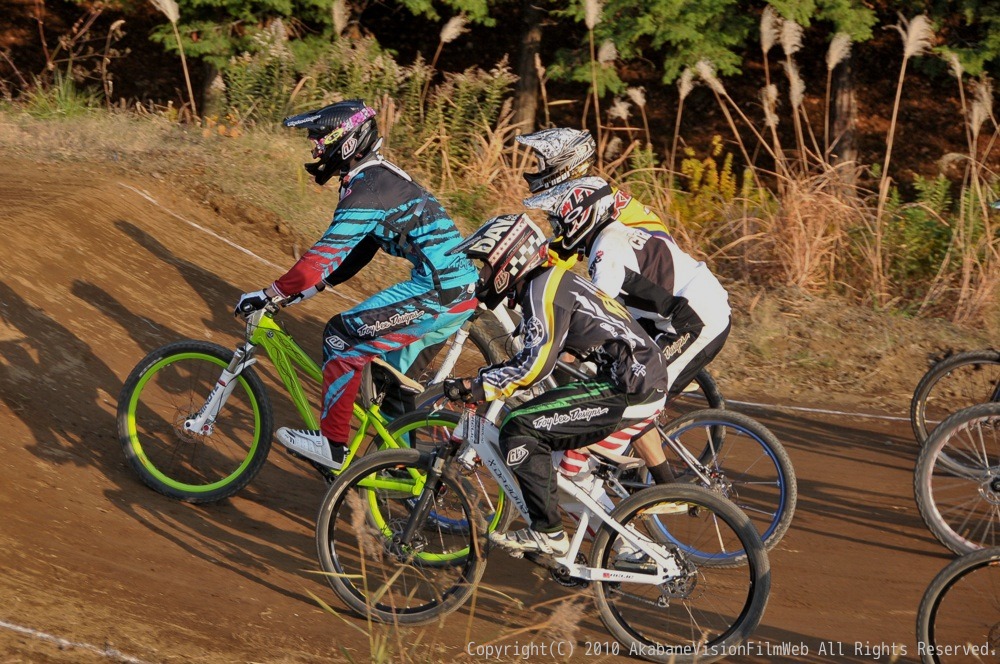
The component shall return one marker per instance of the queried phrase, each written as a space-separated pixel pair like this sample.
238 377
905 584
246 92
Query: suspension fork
440 459
690 460
203 422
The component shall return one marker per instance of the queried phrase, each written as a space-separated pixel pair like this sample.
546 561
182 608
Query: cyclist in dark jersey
562 312
380 207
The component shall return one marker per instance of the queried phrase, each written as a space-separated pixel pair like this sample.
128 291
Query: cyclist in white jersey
676 298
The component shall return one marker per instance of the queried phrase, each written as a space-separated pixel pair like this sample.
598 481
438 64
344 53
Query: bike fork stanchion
204 420
422 508
701 471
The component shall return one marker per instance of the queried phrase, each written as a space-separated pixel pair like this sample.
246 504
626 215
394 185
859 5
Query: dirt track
95 275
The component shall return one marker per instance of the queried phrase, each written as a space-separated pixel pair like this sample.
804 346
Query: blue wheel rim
781 482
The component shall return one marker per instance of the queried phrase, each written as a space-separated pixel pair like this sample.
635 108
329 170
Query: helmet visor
540 161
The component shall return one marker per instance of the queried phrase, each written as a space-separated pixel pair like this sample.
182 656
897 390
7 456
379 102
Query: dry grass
810 231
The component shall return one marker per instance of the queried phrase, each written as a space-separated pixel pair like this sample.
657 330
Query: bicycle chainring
561 576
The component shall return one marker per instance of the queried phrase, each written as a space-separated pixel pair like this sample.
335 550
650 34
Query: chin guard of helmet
320 172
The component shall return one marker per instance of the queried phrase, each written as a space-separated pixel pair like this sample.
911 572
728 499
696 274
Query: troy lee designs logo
335 342
677 346
396 320
548 421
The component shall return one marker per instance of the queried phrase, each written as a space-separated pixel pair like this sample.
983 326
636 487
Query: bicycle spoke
169 387
741 461
958 480
375 566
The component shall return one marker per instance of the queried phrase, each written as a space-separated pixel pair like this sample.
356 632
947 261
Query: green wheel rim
140 453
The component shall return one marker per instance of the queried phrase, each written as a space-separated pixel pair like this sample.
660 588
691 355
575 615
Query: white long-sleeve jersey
653 277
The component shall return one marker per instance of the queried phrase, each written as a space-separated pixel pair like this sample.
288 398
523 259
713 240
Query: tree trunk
526 95
843 120
213 92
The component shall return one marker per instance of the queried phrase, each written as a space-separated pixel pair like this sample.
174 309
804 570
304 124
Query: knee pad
516 449
335 336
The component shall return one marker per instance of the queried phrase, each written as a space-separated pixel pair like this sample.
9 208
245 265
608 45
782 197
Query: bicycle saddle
623 462
405 382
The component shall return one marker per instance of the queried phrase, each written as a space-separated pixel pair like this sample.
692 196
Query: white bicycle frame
484 436
458 343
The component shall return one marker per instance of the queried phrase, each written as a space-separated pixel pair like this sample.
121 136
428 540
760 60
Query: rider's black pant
565 418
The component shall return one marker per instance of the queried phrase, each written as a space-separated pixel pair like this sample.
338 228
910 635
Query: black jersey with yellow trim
564 312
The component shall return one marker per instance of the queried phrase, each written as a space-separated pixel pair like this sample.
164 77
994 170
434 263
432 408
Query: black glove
251 302
457 390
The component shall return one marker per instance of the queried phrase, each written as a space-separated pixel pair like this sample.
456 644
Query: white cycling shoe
526 540
312 445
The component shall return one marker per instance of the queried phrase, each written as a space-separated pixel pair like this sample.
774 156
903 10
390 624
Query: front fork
203 422
440 460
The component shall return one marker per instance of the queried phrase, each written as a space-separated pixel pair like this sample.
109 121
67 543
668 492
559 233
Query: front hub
990 490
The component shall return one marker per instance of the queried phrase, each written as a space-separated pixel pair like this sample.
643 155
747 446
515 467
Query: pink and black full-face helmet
341 134
562 154
510 247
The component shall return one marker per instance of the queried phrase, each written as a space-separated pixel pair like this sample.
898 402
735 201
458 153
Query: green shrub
61 98
259 82
349 69
918 234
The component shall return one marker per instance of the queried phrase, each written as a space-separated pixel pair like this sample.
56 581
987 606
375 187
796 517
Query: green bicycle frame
286 354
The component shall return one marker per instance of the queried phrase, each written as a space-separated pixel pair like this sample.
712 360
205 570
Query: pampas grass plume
686 83
791 37
169 9
917 34
797 86
706 71
955 65
607 53
453 29
620 110
592 13
614 149
982 107
769 100
840 49
638 96
770 28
